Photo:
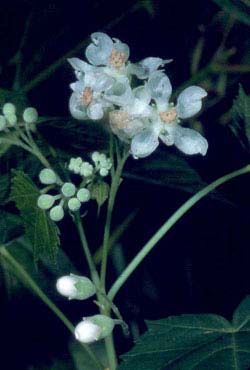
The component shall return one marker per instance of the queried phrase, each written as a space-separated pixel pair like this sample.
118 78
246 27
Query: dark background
202 265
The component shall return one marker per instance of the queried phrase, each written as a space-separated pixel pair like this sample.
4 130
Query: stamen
119 119
86 96
168 116
117 58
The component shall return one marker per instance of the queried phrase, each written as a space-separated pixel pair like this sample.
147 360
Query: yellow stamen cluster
168 116
86 96
117 58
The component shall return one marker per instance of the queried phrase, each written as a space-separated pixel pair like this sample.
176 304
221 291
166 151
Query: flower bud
74 204
30 115
11 118
56 213
47 176
68 189
75 287
104 172
45 201
95 157
83 195
75 164
94 328
9 108
86 169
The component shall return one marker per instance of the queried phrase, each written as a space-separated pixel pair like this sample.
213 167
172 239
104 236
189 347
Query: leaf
41 231
239 8
99 191
240 125
10 226
194 342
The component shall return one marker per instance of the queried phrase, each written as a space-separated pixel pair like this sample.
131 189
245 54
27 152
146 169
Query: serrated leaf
99 192
240 125
239 8
194 342
41 231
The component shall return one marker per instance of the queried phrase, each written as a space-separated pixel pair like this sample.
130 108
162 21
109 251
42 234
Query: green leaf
194 342
240 125
41 231
10 226
239 8
99 192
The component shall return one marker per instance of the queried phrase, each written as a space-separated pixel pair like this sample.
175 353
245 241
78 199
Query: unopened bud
75 287
94 328
45 201
30 115
47 176
56 213
68 189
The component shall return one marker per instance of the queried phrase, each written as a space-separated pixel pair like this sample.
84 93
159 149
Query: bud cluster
10 119
101 165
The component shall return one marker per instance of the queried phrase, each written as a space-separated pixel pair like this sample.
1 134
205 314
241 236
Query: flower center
168 116
119 119
117 58
86 96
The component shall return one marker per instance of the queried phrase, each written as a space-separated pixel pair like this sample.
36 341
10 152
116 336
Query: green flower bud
68 189
95 157
3 123
86 169
104 172
45 201
83 195
75 164
74 204
47 176
11 118
56 213
9 108
94 328
30 115
75 287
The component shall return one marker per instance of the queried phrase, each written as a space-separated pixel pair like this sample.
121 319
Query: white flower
103 51
87 100
134 110
165 119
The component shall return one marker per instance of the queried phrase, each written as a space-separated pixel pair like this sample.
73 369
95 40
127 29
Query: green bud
56 213
45 201
86 169
30 115
47 176
83 195
74 204
75 164
3 123
94 328
104 172
68 189
75 287
11 118
95 157
9 108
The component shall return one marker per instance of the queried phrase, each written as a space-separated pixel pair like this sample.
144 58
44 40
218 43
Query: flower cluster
140 116
91 328
68 195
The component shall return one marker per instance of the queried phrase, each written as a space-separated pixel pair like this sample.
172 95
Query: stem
113 191
167 226
31 284
85 246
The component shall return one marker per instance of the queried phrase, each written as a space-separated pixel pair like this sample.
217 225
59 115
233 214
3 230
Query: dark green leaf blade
193 342
239 8
41 231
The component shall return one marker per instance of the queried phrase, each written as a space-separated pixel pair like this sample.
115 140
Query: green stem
92 268
113 192
167 226
31 284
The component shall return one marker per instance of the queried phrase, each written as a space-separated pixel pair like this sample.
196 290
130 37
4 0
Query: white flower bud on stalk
74 204
94 328
47 176
83 195
45 201
56 213
30 115
75 287
9 108
68 189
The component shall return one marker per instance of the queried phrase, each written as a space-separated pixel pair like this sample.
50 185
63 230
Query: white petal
95 110
80 66
78 86
144 143
120 93
102 82
149 65
160 88
189 101
77 110
142 93
190 141
100 49
123 48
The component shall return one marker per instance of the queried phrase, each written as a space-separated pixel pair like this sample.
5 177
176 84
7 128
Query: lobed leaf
194 342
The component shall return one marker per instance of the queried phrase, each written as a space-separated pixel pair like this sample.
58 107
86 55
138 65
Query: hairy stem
168 225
